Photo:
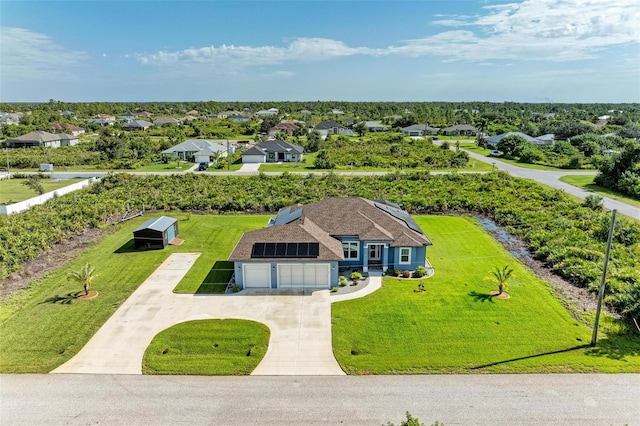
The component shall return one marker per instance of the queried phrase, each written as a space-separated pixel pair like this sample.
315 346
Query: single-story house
102 121
548 139
145 114
239 118
9 118
337 111
169 121
68 128
200 150
374 126
267 112
155 233
273 151
67 113
419 130
41 138
137 125
331 127
305 245
128 117
459 130
227 114
287 127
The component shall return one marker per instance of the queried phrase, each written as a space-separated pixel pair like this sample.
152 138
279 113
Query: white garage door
257 275
304 275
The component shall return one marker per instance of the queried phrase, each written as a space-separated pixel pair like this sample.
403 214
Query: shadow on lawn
481 297
616 346
128 247
217 279
506 361
63 300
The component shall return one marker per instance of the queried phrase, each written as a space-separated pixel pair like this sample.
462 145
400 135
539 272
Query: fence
41 199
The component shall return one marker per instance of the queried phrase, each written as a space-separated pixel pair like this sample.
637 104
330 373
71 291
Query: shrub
334 289
392 272
406 274
593 201
236 288
420 272
355 276
342 281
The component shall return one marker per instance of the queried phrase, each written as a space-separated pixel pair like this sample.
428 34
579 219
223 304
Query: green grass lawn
586 182
13 191
456 327
207 347
472 147
43 325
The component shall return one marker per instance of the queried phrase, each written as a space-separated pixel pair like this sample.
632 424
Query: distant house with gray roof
459 130
416 130
141 125
39 138
200 150
331 127
548 139
273 151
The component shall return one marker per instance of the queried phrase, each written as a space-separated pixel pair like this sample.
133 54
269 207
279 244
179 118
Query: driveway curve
299 321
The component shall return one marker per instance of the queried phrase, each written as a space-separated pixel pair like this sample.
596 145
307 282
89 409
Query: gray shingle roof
195 145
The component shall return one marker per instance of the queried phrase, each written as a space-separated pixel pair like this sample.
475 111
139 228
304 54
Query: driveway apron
299 321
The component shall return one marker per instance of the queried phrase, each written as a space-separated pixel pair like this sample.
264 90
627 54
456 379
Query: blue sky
529 51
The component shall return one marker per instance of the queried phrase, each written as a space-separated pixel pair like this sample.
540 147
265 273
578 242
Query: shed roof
161 224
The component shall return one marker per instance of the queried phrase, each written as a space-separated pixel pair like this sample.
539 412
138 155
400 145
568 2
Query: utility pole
594 337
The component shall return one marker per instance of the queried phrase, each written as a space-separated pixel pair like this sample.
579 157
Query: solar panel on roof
303 249
281 249
400 214
258 250
314 249
292 249
287 216
269 249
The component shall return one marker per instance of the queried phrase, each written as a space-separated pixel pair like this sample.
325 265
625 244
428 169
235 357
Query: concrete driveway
300 324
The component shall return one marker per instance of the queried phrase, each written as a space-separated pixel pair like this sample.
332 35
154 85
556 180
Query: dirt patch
51 259
91 295
497 295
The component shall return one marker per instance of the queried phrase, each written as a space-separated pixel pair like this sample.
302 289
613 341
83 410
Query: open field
457 327
586 182
44 325
13 191
214 347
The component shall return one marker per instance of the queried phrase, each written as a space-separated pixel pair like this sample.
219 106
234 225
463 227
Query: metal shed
156 233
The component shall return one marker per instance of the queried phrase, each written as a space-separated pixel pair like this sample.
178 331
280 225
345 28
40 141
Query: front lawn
43 325
13 190
586 182
457 327
207 347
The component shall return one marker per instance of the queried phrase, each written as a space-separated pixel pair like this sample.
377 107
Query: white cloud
549 30
284 73
28 54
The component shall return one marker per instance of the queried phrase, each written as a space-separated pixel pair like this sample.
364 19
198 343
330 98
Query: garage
304 275
257 275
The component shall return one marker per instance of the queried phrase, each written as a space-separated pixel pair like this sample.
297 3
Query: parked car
495 153
203 166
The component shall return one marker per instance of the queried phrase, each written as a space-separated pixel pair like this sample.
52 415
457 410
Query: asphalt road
555 399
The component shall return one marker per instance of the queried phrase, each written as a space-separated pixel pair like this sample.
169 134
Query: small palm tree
500 277
84 276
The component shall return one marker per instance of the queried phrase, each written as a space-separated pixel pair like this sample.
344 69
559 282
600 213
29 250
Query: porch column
365 258
385 258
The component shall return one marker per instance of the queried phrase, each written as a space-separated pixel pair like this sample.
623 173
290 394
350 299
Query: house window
351 250
405 255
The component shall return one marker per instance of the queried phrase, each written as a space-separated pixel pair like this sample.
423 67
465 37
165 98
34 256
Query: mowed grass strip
44 325
13 190
207 347
455 326
586 182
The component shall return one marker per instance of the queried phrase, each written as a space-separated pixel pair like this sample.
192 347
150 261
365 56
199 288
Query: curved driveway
299 321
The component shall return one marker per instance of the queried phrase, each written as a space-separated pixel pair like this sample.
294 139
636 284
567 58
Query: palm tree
500 277
84 276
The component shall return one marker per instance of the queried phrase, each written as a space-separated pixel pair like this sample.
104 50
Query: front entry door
375 253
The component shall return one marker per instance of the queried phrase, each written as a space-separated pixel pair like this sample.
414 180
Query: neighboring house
239 118
68 113
419 130
169 121
393 117
155 233
609 152
305 245
145 114
374 126
129 117
348 121
9 118
227 114
305 112
200 150
137 125
67 128
331 127
284 127
41 138
192 112
267 112
548 139
459 130
272 152
102 121
336 111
